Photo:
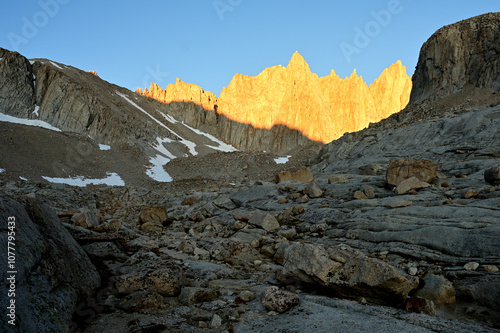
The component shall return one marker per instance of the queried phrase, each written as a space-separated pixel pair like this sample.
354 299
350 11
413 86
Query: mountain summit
322 109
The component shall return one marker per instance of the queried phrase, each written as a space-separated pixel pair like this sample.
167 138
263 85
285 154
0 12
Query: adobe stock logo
223 6
30 27
363 37
155 75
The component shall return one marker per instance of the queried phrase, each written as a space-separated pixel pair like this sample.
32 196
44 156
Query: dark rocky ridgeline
404 214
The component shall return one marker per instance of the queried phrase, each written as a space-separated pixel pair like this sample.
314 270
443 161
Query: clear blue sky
131 43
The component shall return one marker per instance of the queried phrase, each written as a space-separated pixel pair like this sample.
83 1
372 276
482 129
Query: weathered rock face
53 272
16 88
146 271
182 92
278 300
201 109
322 109
457 55
72 100
402 169
347 272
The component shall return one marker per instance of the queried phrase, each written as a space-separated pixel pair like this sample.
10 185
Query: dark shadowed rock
485 290
492 175
53 272
420 305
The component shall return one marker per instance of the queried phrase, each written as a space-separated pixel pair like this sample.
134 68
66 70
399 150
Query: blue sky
132 43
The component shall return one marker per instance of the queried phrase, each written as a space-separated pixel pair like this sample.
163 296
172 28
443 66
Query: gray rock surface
53 273
326 245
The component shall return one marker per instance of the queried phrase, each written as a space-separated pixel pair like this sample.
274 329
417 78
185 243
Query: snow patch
2 170
53 63
161 148
32 62
35 112
222 145
156 171
104 147
142 110
29 122
169 118
23 178
282 160
190 145
112 179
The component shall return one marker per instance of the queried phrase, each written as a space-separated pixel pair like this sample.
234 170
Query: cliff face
181 92
457 55
322 109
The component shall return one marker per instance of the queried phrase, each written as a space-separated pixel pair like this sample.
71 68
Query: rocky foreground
391 229
342 252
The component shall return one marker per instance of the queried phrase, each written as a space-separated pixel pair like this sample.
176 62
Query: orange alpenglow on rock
323 109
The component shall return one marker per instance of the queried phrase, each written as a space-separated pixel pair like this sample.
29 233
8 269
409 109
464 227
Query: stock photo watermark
31 26
223 6
154 75
364 35
11 270
73 158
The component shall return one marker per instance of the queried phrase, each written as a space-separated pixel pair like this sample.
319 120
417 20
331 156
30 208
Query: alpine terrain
289 203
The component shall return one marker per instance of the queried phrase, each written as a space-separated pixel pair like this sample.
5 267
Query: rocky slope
320 108
88 115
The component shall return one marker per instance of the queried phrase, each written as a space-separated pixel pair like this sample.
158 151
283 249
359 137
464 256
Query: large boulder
437 289
492 175
265 221
278 300
402 169
347 272
53 273
457 55
146 271
303 175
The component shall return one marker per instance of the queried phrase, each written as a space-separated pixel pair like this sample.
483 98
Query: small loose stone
471 266
413 271
491 268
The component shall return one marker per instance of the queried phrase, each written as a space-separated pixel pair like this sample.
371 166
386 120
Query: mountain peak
297 61
320 108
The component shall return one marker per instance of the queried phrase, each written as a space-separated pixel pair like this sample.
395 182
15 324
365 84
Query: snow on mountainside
61 98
